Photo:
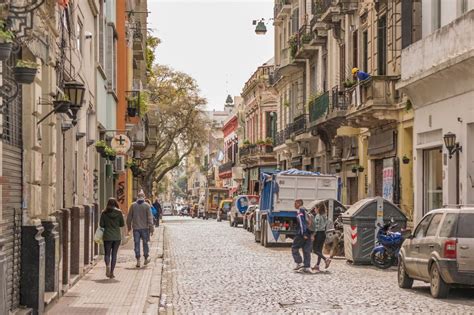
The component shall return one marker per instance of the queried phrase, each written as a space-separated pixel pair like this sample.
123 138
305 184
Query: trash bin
360 226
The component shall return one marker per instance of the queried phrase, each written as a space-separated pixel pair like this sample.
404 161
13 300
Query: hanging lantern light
261 29
75 92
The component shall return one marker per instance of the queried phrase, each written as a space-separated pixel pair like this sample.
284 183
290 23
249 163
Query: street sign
121 144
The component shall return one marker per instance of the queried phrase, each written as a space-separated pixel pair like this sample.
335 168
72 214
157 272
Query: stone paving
210 267
133 291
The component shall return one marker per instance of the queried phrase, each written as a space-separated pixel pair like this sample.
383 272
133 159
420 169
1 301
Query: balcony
330 11
281 10
225 170
299 125
280 138
306 42
373 102
257 154
328 110
288 64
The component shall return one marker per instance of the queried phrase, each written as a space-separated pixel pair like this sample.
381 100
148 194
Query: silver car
440 251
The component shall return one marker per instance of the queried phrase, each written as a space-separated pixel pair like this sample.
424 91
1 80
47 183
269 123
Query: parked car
249 217
167 209
440 251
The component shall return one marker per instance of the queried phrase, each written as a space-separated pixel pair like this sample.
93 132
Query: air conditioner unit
120 163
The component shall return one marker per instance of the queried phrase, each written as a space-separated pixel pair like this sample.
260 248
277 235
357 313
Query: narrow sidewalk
133 291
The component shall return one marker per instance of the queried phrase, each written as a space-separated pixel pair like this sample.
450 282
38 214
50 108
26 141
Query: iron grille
12 112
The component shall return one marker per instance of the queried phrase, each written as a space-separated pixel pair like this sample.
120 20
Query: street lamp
451 145
261 29
75 92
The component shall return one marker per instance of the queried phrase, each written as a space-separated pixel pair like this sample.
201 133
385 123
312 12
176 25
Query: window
79 36
448 227
421 228
466 221
382 46
355 49
432 179
436 17
101 34
365 51
434 225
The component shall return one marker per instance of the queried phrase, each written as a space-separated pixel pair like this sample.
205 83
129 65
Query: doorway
352 190
432 179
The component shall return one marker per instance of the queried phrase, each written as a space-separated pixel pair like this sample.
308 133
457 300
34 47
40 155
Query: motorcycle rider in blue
302 240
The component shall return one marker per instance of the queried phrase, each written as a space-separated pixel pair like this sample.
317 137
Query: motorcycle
385 253
334 243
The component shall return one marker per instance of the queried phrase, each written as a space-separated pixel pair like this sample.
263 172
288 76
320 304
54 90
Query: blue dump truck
275 220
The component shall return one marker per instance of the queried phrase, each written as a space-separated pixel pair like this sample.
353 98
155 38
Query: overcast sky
212 40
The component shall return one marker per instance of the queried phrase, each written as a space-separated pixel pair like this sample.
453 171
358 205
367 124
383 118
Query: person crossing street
302 240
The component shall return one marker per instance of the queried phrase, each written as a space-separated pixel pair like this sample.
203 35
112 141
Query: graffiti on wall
120 193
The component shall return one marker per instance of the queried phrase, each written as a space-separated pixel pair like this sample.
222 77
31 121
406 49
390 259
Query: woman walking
111 220
320 222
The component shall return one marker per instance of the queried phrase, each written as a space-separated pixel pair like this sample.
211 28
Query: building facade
328 120
260 125
439 84
53 182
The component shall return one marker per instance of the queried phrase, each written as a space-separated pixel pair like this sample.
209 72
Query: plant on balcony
132 164
25 71
286 103
405 159
306 38
349 83
110 153
246 143
269 141
132 107
6 39
143 104
62 105
293 42
260 142
100 146
409 105
357 168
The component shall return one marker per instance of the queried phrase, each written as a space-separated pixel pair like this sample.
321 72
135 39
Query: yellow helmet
354 70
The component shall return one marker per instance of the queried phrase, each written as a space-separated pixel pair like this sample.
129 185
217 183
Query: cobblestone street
210 267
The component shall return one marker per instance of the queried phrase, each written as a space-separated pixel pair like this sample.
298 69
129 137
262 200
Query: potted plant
360 168
405 159
349 83
260 142
6 39
138 171
100 146
354 169
246 143
25 71
132 106
132 164
293 42
286 103
111 154
357 168
62 105
306 38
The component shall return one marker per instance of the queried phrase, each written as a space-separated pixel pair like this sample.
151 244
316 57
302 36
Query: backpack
309 220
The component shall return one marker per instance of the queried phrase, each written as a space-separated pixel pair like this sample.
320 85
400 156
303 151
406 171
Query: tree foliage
176 110
151 43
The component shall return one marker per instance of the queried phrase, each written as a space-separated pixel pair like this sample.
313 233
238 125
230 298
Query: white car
167 210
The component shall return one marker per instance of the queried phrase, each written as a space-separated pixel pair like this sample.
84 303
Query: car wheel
439 289
404 281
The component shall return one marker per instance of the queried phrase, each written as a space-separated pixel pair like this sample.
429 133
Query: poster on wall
388 178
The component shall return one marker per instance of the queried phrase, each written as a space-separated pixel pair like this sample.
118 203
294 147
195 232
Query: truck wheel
262 232
265 237
230 222
257 235
244 224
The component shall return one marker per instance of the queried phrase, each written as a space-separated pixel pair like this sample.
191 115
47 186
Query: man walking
302 240
157 206
140 219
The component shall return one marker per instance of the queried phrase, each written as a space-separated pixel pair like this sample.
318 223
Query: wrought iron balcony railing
226 167
299 125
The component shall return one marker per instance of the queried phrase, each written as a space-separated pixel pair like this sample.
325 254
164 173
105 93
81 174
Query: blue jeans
141 234
306 244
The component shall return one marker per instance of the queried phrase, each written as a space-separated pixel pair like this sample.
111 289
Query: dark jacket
302 224
112 220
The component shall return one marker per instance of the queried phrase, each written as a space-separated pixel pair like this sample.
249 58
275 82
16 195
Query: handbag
99 235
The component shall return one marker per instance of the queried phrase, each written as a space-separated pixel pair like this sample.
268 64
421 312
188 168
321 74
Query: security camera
88 35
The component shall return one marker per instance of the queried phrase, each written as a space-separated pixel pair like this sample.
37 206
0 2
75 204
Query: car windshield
465 223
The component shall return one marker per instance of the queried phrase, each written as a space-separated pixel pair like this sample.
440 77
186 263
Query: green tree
176 108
